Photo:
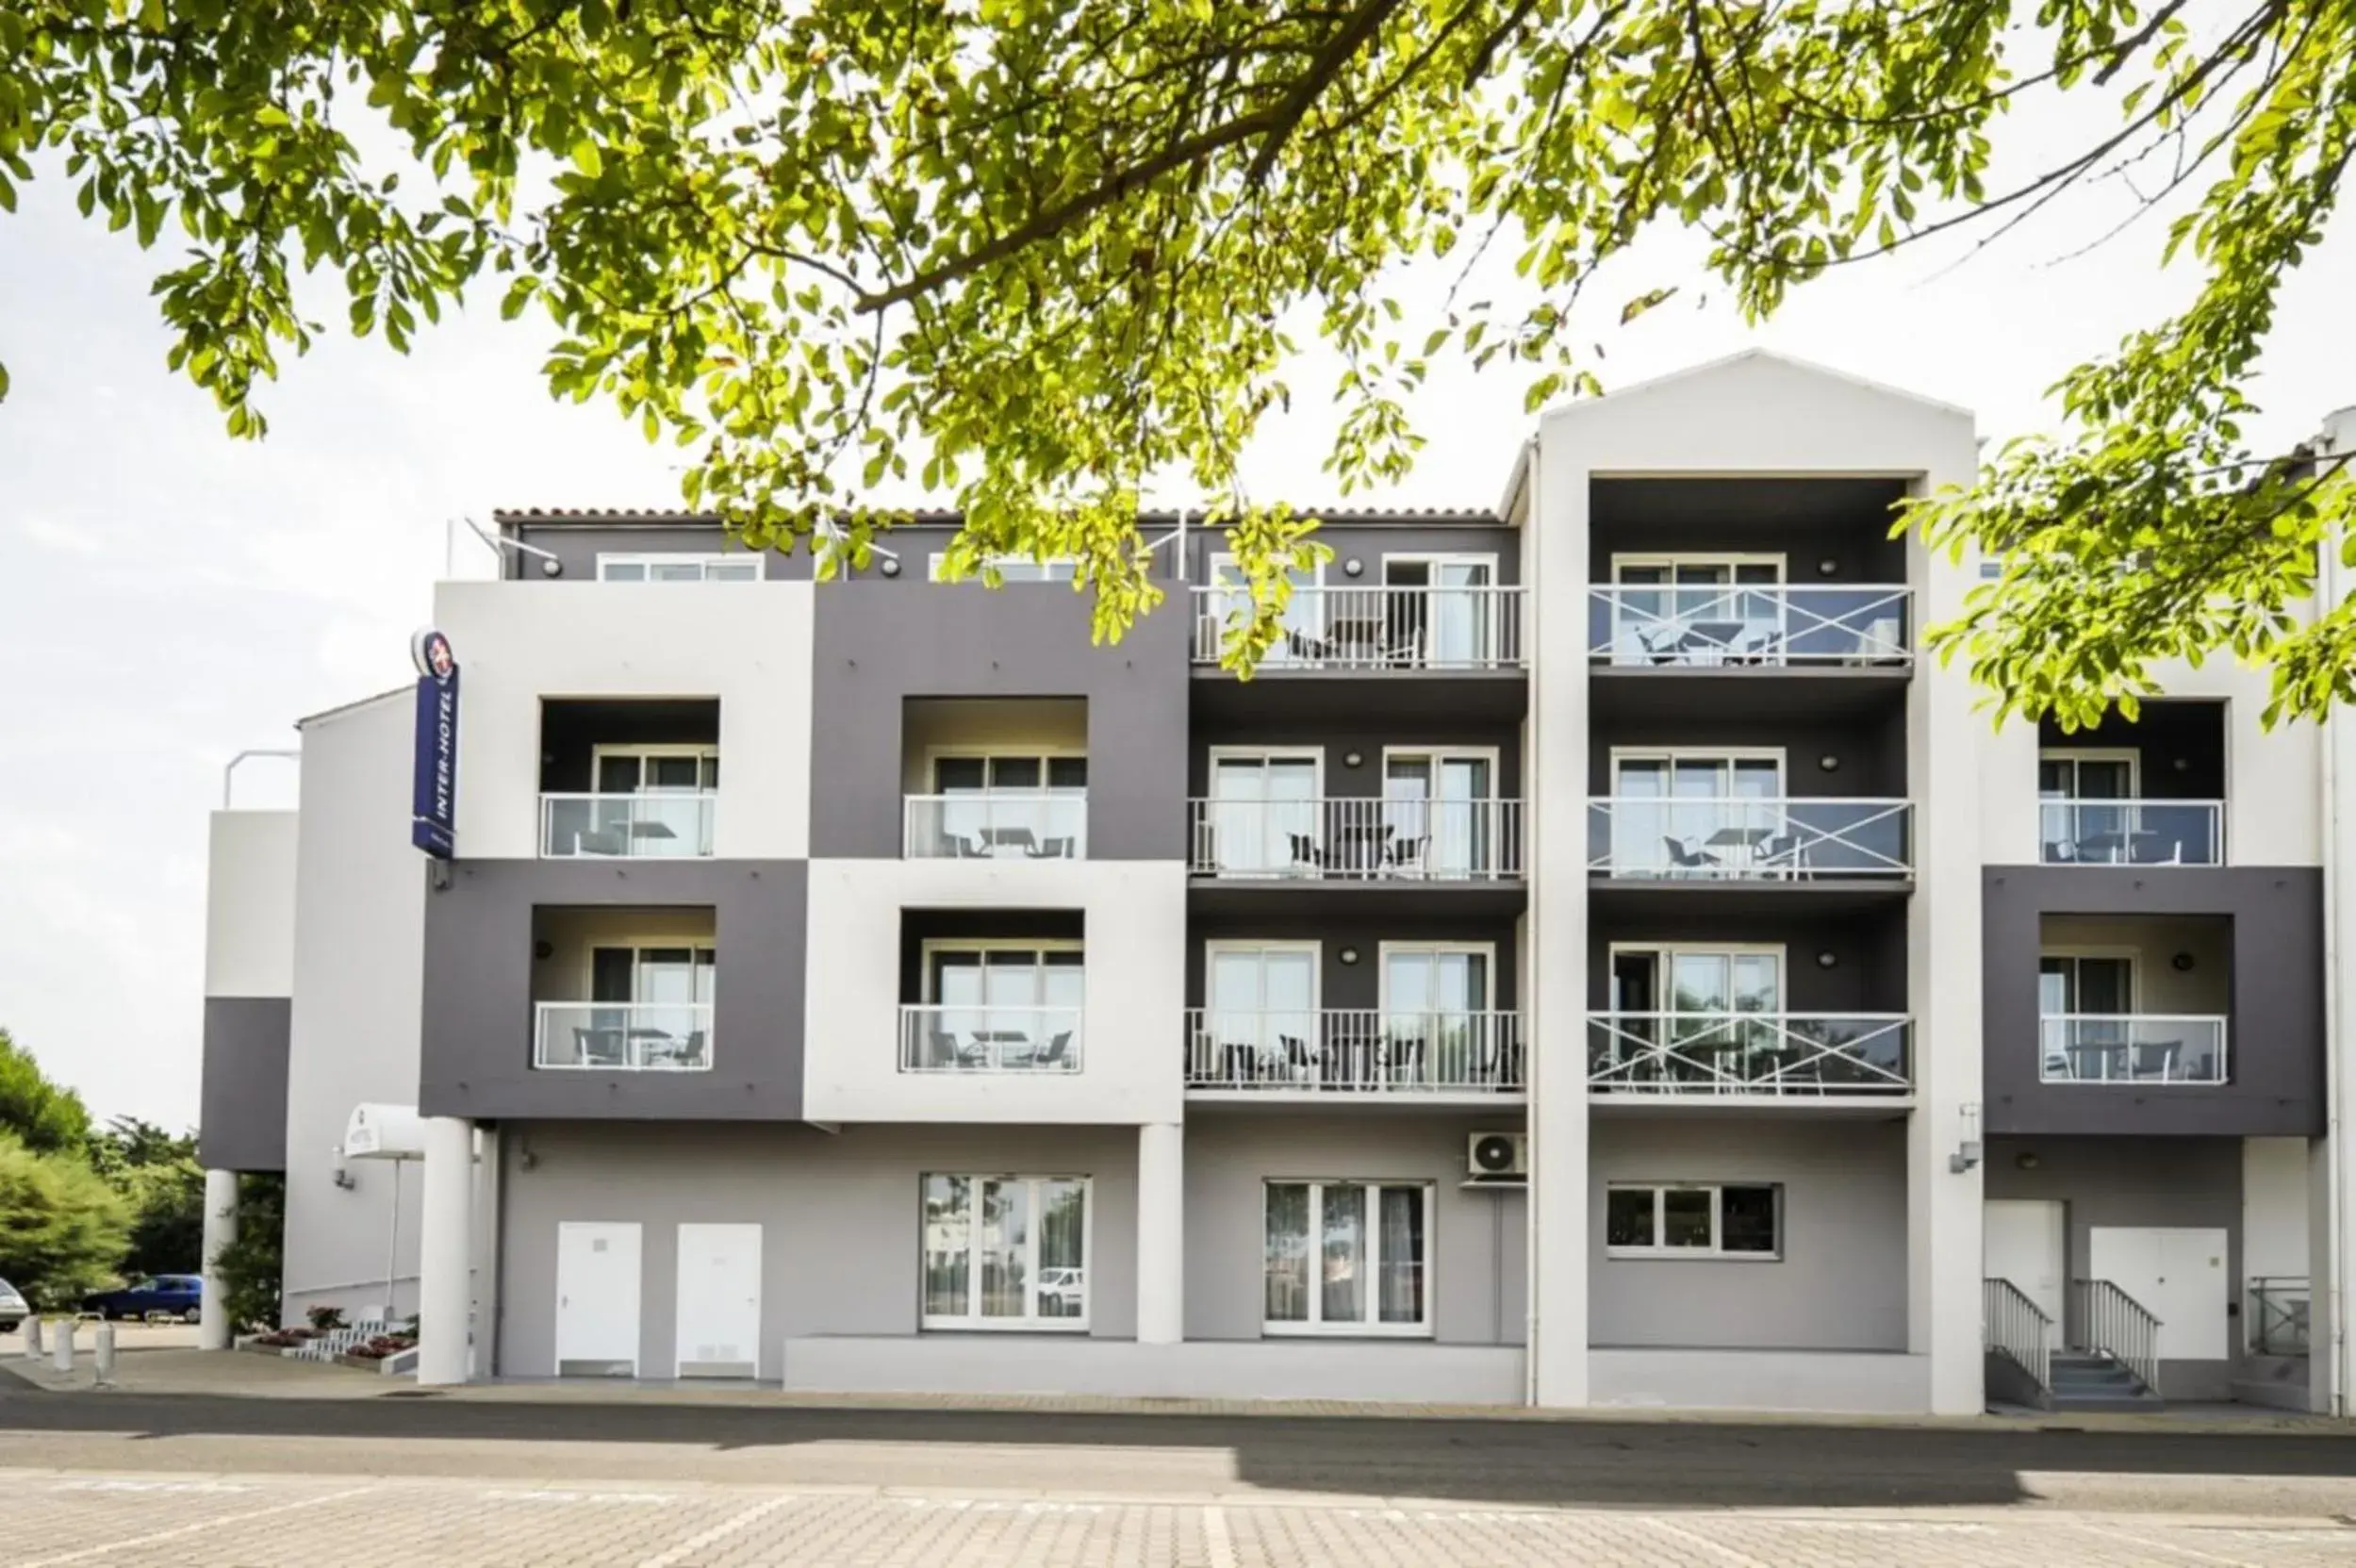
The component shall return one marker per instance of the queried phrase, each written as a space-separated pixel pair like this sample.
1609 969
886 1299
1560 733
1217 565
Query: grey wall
2274 1028
878 643
1478 1243
1870 749
840 1218
1810 521
2189 1184
242 1121
1841 1282
1868 945
477 1048
1366 927
2167 733
1337 736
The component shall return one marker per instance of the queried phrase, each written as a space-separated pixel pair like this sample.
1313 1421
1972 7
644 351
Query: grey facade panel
1828 530
880 643
1368 542
1336 736
1374 921
1867 752
2274 1028
476 1054
243 1102
1867 949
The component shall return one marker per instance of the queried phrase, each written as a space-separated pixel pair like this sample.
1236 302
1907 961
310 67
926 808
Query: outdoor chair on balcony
1685 857
2151 849
1049 848
601 1048
1304 850
1297 1062
944 1048
1406 854
1058 1054
1780 856
2155 1060
1879 642
1305 647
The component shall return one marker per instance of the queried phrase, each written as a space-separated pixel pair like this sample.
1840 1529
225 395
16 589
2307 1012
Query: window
1688 813
1304 620
1264 814
1014 568
1696 609
678 568
1692 1220
1452 618
1348 1258
1440 809
1722 979
657 769
1005 1252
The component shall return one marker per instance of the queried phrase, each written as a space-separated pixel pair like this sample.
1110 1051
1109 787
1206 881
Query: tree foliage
44 1116
158 1175
251 1268
63 1229
1032 253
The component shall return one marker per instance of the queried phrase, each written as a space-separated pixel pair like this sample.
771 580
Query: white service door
2179 1277
720 1300
2022 1241
597 1299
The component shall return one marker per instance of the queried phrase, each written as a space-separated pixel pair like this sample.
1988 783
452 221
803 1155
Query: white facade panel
249 905
1134 916
2274 1208
746 644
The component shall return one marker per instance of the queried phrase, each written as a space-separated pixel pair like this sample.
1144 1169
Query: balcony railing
948 1038
2143 1047
2131 833
1745 624
1701 1054
2278 1315
1733 839
1361 839
1383 628
606 1036
997 824
1361 1050
651 826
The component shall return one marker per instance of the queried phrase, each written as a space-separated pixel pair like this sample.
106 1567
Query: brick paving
54 1519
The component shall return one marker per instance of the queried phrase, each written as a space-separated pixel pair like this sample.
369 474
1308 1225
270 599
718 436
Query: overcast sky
169 597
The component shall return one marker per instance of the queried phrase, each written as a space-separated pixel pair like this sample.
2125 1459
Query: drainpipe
2339 999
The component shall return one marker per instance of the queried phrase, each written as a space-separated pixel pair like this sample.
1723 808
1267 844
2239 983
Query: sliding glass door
1265 813
1440 808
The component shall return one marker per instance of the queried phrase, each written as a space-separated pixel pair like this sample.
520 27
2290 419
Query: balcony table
1009 838
1741 844
2117 846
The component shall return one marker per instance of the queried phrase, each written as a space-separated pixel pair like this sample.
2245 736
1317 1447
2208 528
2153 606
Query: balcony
952 1038
622 1036
1390 629
1774 1055
996 825
2278 1314
1749 626
2133 1050
1354 1050
655 826
1804 853
2131 832
1359 839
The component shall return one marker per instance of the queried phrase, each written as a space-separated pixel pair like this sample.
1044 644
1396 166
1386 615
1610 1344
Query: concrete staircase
2090 1381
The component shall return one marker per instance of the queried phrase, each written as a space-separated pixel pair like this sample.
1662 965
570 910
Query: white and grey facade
872 986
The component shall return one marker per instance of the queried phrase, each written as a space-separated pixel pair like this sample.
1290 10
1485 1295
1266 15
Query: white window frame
2132 957
1665 953
1715 1251
638 946
932 944
1441 558
649 560
1316 1325
1217 945
698 751
1069 564
1437 754
2076 754
1486 952
1703 558
1030 1323
1217 754
934 755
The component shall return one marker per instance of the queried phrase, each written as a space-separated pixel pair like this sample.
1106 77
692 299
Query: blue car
179 1296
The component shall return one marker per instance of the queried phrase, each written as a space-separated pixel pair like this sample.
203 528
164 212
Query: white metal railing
2115 1323
1722 624
2278 1314
623 1036
996 824
2137 1047
1378 1050
2131 832
950 1038
1721 1052
1379 628
1363 838
2017 1328
1735 839
647 826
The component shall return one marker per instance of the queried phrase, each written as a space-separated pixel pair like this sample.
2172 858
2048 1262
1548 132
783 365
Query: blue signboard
434 791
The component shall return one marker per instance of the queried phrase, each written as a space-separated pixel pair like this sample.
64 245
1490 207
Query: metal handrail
1744 837
621 1036
1657 624
1384 627
656 824
2140 1049
2278 1314
950 1037
1387 1051
1719 1051
2119 1326
1362 838
995 824
2017 1328
2131 832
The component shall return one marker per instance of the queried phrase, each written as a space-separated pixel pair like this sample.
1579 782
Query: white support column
214 1329
1160 1233
445 1250
2332 1307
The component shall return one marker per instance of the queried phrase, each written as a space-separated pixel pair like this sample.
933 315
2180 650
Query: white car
1062 1291
14 1308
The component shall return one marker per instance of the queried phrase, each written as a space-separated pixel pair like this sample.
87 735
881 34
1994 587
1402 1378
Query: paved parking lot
51 1520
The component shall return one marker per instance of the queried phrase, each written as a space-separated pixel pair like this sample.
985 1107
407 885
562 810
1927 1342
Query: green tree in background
158 1175
63 1229
1033 253
251 1268
46 1117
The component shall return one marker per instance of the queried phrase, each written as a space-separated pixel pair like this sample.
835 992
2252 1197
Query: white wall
1132 1026
747 644
358 965
2274 1207
249 905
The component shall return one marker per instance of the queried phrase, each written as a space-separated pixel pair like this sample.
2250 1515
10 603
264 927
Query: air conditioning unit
1503 1158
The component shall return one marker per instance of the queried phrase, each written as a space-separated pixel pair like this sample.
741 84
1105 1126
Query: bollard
61 1350
102 1355
32 1338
